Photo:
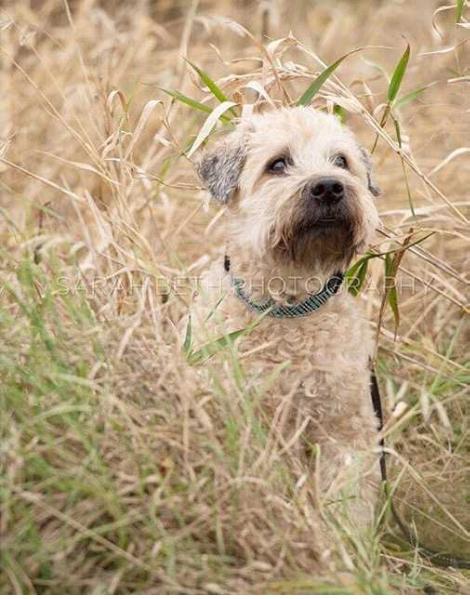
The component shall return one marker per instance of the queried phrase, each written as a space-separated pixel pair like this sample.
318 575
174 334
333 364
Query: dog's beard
310 235
331 247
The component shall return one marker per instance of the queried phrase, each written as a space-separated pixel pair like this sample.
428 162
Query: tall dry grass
124 468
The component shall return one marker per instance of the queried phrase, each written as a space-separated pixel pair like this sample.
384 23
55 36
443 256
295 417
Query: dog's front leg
347 481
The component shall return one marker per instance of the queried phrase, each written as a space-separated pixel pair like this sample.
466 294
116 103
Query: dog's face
298 187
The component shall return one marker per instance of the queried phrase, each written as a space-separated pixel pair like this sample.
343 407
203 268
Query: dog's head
298 186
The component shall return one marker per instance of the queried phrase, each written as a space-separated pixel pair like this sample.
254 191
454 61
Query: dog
299 205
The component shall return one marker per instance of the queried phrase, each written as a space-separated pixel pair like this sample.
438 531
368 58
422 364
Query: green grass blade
340 113
459 10
209 83
356 275
213 347
397 130
407 98
317 83
186 100
192 103
391 267
403 164
188 338
398 75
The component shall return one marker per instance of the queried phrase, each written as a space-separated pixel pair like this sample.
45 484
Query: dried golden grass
125 472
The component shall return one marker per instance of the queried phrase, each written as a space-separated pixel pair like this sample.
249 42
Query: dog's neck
269 279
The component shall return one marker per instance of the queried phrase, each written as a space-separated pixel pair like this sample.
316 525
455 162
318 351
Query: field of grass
126 468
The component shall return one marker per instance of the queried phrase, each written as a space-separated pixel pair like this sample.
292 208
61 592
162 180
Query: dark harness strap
446 560
377 404
226 263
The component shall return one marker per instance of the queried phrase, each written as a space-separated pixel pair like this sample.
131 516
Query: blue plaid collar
304 308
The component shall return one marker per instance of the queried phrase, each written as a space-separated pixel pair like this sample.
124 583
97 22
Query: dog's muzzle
325 204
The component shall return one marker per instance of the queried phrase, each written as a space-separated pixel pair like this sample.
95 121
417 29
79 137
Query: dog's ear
367 160
220 167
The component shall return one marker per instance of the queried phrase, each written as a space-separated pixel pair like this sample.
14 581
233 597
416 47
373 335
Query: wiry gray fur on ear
220 169
373 188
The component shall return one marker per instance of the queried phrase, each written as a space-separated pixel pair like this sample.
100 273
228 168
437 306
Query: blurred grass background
122 469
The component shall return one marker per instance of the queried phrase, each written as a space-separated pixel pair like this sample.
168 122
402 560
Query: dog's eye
340 161
277 166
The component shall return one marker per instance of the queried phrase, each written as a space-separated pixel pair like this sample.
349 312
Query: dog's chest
316 367
318 351
328 350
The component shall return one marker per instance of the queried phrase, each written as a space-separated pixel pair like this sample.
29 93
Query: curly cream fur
327 381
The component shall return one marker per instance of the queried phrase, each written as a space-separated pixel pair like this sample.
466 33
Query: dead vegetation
122 470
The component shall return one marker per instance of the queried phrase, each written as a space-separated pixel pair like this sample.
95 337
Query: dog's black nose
327 190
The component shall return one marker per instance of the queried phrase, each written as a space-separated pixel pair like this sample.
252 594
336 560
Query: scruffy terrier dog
299 205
